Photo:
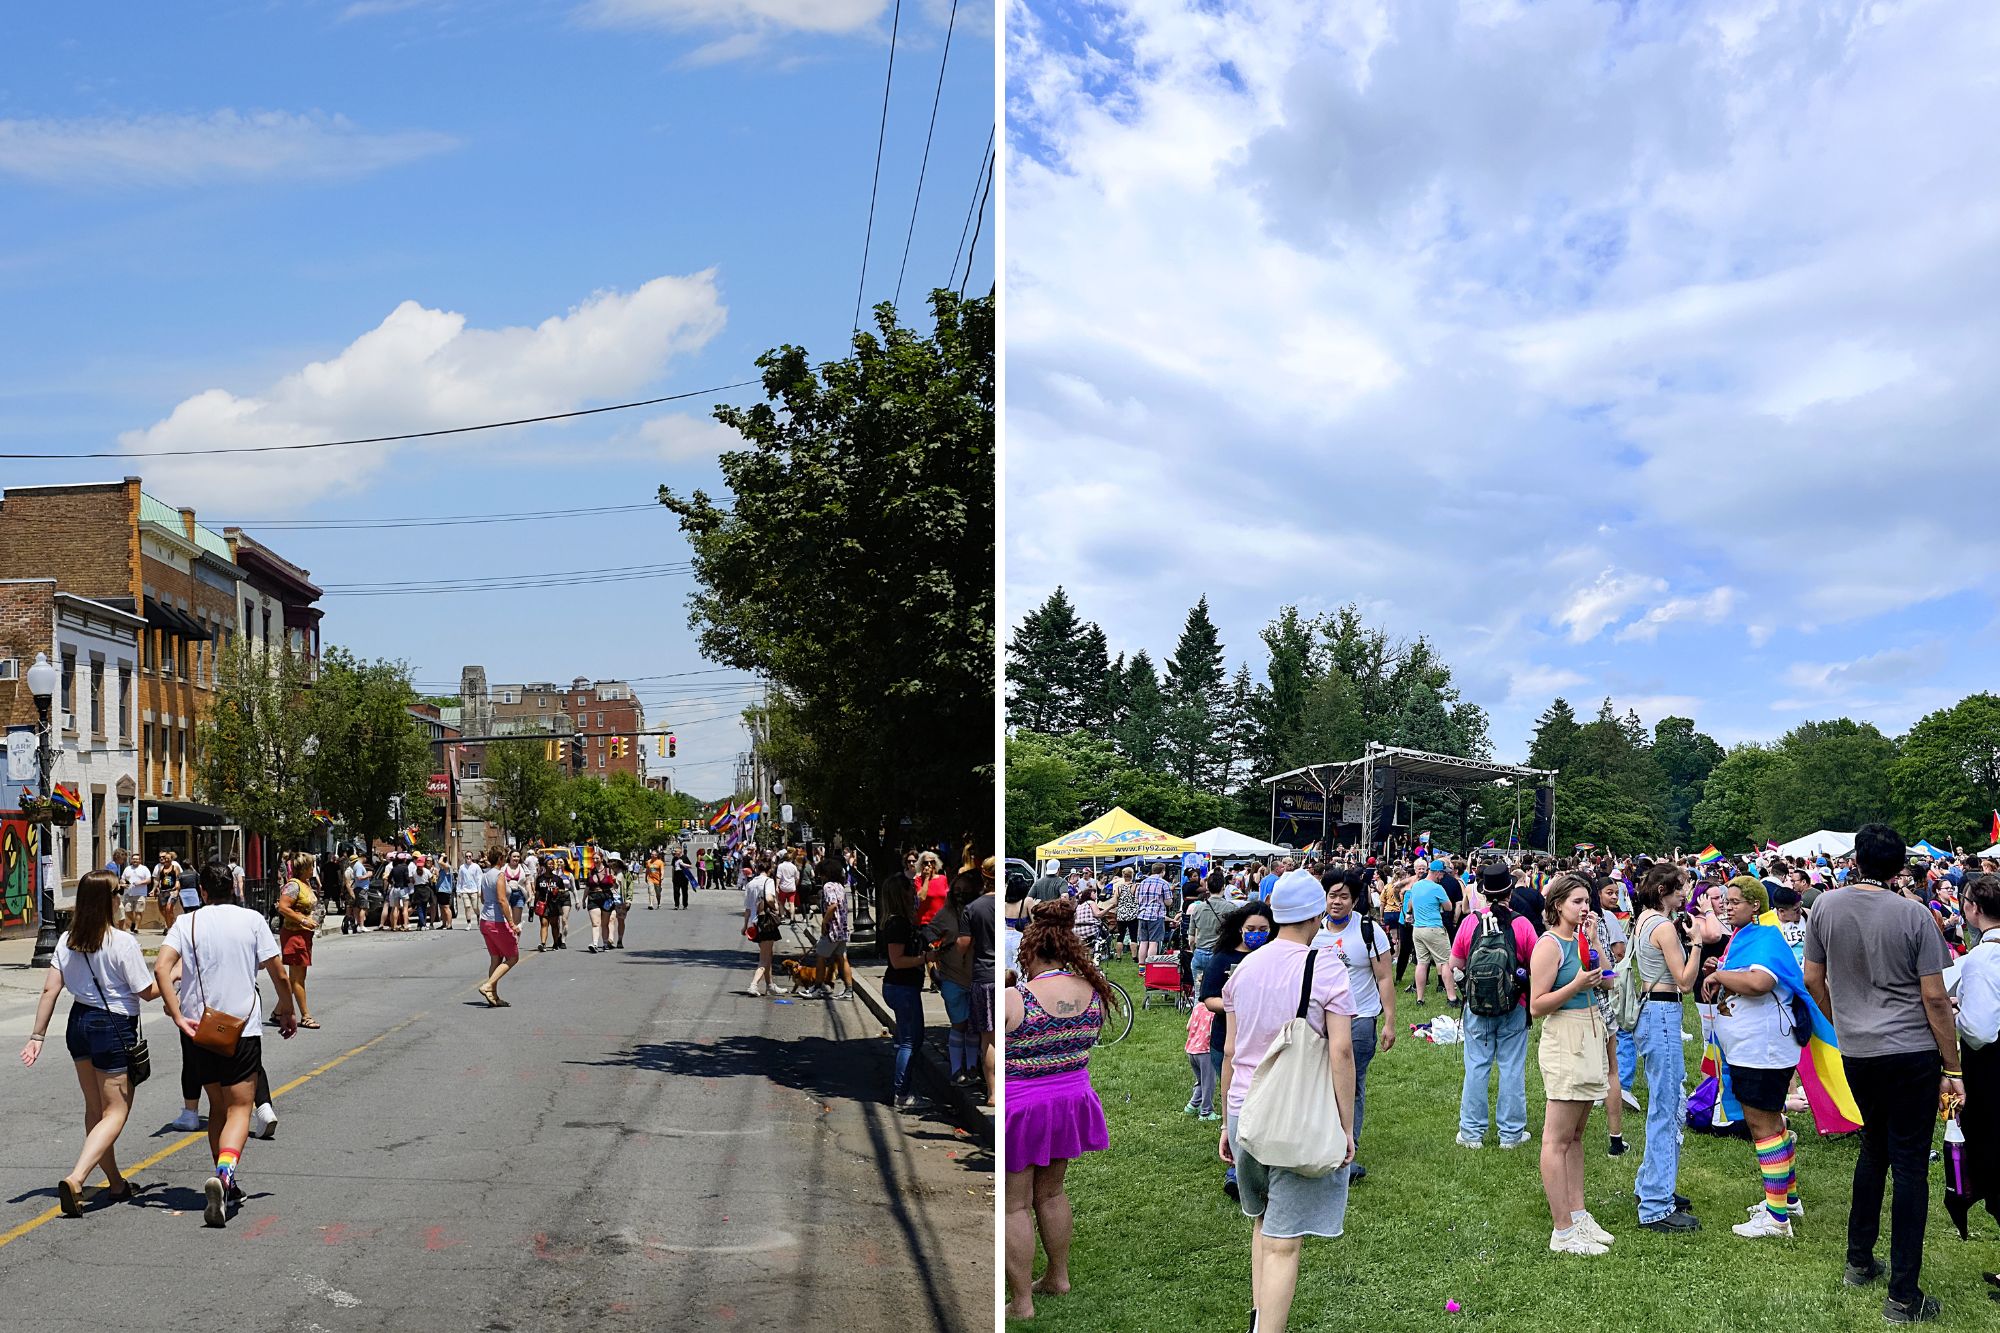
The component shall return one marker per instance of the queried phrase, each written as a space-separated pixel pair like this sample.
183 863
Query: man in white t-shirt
138 879
1363 947
787 876
224 947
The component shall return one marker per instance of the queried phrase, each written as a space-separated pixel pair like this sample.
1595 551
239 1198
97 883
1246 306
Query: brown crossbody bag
217 1031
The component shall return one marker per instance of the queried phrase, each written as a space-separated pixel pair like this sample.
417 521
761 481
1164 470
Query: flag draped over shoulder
1820 1070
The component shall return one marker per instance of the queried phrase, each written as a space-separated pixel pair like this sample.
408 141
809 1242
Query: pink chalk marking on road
333 1233
259 1227
436 1239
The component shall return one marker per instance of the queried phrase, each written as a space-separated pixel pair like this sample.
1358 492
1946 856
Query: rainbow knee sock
225 1165
1781 1183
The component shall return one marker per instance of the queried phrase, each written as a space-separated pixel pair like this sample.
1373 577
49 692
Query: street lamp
43 679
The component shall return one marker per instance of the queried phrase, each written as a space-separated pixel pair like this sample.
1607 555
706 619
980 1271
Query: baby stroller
1164 976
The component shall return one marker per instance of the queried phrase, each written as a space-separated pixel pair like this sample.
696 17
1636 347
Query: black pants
1980 1119
680 893
1406 946
1898 1097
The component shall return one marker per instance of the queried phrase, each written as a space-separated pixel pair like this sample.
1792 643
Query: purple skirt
1053 1119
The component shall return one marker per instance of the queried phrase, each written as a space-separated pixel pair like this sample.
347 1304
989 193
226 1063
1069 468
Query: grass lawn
1159 1247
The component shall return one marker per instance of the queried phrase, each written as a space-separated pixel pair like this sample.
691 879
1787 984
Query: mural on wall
16 872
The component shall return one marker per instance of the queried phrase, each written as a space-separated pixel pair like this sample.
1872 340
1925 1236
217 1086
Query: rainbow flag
1489 843
750 811
1586 847
1709 856
723 819
66 796
1820 1070
586 859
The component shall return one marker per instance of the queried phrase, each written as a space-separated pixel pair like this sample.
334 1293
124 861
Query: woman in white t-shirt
1753 1028
105 970
1362 945
760 923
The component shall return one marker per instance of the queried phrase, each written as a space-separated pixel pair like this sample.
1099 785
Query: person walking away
1495 991
500 928
1053 1018
364 889
1262 995
835 929
1429 908
1200 1032
1753 990
954 973
298 924
550 897
1979 1036
1563 972
225 947
1204 925
760 925
396 917
1153 897
787 876
1874 965
902 989
103 968
1363 949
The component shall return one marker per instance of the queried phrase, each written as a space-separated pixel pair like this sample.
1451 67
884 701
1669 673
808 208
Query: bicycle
1117 1018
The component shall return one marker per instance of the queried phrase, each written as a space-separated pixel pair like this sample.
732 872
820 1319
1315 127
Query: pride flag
1709 856
1770 846
723 819
65 795
1994 832
751 811
1820 1070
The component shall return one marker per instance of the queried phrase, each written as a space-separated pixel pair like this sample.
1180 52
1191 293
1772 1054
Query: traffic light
670 747
549 751
660 744
576 756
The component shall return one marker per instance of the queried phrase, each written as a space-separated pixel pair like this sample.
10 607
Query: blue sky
257 223
1637 349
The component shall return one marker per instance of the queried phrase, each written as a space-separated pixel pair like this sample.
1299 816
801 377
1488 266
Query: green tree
1048 688
1193 694
854 569
1684 757
1731 811
1093 660
1946 780
1592 809
1281 705
1041 793
1835 776
1142 732
253 752
1554 745
368 746
523 787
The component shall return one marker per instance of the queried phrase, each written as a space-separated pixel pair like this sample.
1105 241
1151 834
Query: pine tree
1280 705
1238 733
1142 732
1044 691
1193 692
1093 670
1554 745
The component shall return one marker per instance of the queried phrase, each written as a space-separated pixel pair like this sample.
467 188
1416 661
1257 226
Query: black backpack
1492 970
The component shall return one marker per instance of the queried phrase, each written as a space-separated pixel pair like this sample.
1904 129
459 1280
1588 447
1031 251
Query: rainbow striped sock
225 1165
1774 1158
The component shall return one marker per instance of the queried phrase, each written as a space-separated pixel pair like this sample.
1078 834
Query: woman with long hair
903 984
1563 974
105 970
1053 1115
760 923
1667 970
296 927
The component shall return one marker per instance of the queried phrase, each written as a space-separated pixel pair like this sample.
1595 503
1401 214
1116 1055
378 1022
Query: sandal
119 1195
309 1023
67 1196
492 1000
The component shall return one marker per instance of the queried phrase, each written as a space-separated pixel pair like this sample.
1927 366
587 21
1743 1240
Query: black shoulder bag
138 1055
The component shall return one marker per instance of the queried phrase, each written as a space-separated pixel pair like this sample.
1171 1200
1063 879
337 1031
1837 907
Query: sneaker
1467 1141
1190 1108
1516 1142
1212 1115
1229 1186
264 1122
1629 1097
1587 1227
1797 1209
912 1104
1617 1148
841 995
1574 1243
1355 1172
1763 1224
1860 1275
1676 1222
1920 1311
214 1209
187 1120
592 949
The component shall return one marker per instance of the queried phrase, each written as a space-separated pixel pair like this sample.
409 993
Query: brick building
596 708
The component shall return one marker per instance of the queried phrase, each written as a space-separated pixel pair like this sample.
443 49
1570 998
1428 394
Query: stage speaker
1545 818
1385 802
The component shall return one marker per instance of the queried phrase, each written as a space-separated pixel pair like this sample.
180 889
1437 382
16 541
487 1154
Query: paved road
630 1146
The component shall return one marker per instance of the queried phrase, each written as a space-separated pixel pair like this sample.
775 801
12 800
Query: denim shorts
99 1036
1289 1204
957 1001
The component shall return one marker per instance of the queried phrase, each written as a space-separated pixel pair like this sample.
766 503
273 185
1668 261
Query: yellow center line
9 1237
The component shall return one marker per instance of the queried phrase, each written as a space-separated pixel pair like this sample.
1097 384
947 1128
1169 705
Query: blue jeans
1199 963
1628 1059
1364 1051
907 1003
1658 1040
1490 1041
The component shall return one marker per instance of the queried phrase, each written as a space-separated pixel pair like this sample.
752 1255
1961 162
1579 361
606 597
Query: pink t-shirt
1524 944
1262 995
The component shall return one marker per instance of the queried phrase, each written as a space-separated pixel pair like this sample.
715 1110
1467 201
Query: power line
502 585
985 164
881 136
503 578
978 222
936 97
313 524
387 439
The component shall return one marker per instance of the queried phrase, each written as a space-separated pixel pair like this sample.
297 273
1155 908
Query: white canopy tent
1823 843
1994 850
1228 842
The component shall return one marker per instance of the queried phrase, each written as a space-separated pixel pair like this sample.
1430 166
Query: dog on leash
809 971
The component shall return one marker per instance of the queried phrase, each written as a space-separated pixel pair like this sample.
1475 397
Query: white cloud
1605 601
1536 684
1710 609
194 150
823 16
424 369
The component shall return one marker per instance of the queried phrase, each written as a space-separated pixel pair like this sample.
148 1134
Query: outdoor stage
1357 802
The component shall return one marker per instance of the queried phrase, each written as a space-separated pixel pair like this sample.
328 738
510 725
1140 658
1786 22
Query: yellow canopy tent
1114 833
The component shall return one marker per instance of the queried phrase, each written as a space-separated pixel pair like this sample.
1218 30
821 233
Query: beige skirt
1571 1056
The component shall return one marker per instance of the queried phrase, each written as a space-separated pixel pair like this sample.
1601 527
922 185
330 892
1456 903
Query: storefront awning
175 814
161 616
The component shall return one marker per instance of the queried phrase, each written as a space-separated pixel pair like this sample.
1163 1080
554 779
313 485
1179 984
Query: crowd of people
1862 989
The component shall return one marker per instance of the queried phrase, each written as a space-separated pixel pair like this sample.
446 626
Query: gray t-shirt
489 895
1876 947
1204 923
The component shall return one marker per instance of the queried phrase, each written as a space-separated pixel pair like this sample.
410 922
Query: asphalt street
631 1145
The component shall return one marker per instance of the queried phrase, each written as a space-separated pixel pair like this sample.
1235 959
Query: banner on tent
1298 816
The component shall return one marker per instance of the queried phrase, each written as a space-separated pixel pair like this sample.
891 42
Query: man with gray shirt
1875 962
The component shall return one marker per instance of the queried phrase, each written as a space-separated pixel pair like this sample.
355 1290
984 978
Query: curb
966 1108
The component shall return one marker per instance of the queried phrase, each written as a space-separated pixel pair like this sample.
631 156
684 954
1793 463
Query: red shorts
501 941
295 947
788 898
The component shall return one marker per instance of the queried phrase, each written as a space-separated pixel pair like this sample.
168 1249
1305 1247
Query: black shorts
1760 1089
208 1068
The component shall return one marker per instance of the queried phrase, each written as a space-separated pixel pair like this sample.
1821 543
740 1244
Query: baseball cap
1440 864
1296 897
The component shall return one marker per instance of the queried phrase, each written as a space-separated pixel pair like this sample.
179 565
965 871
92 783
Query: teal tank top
1566 973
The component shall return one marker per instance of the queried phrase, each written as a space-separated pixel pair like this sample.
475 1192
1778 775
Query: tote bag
1290 1116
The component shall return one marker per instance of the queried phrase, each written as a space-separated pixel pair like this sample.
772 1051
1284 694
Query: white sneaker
1515 1143
264 1122
1574 1243
1588 1228
1763 1224
187 1120
1797 1210
1465 1141
1629 1097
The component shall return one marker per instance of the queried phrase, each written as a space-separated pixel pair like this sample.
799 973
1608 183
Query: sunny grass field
1160 1248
